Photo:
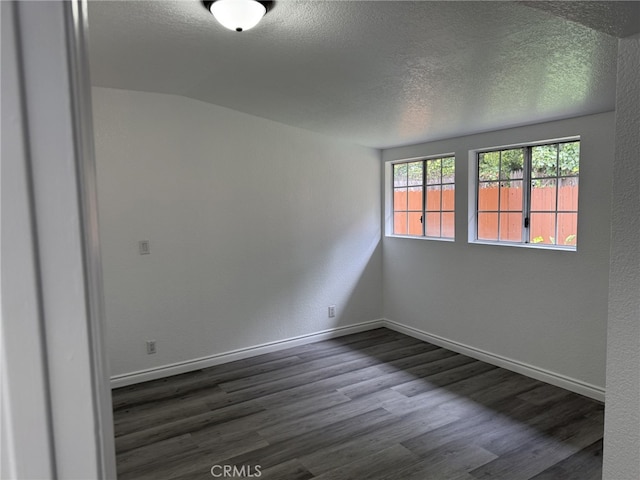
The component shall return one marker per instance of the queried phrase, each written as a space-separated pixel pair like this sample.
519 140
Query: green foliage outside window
553 160
501 165
411 173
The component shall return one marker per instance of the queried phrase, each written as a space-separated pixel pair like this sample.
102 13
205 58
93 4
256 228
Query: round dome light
238 15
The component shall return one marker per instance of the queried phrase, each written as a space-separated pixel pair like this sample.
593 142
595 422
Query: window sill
420 237
533 246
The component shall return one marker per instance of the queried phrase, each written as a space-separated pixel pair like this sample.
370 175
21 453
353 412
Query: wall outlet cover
144 247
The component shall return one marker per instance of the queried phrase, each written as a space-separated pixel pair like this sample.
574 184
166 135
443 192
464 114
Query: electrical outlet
151 347
144 247
332 311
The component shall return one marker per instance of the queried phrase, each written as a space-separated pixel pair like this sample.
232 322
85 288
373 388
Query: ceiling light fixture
238 15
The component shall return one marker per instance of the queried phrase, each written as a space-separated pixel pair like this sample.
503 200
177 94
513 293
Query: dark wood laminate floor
376 405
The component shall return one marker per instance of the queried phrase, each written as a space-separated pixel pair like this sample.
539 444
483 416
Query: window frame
390 224
527 179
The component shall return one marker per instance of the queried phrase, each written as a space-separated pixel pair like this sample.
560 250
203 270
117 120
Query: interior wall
255 228
543 308
622 415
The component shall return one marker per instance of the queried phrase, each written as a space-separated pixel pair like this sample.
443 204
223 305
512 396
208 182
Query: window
424 198
529 195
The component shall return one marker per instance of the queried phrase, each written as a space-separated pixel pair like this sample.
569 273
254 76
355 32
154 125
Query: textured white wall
544 308
622 415
255 228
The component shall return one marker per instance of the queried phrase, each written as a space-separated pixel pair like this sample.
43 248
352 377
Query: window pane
488 165
544 160
487 226
415 198
448 197
432 228
568 195
543 228
511 196
399 199
511 227
569 158
400 223
414 173
433 171
400 175
415 223
411 201
448 170
488 196
543 195
448 225
548 197
511 164
567 228
433 198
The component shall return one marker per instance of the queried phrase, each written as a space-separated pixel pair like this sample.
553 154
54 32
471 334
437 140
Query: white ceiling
375 73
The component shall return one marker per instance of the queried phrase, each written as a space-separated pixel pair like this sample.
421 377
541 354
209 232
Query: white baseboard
568 383
225 357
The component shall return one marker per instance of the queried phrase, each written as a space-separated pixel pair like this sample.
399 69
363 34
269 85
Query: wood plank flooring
376 405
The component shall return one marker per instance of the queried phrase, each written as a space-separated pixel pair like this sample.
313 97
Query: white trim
421 157
239 354
559 380
80 90
26 427
388 199
57 253
537 143
535 246
472 198
415 237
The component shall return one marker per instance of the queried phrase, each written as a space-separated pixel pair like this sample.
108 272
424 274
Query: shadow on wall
293 299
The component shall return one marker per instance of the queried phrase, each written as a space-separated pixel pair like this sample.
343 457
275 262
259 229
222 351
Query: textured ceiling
376 73
617 18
